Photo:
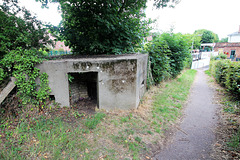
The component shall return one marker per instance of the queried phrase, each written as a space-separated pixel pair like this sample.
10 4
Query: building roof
235 33
226 44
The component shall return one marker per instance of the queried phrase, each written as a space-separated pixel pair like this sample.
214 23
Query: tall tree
207 36
224 39
104 26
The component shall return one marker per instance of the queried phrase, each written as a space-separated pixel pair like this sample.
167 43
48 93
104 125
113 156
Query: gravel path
195 138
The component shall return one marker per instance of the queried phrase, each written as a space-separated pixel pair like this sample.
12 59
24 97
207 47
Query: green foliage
157 3
179 46
21 36
207 36
103 26
15 31
218 57
170 99
234 142
21 64
224 39
160 62
165 3
50 137
3 75
227 73
195 39
93 121
169 54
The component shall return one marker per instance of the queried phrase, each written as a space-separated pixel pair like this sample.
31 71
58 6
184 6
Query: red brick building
232 50
58 45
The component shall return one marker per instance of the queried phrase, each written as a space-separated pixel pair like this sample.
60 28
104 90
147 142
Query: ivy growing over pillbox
21 38
21 63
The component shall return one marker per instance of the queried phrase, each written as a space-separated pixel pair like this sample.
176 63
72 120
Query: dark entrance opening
83 90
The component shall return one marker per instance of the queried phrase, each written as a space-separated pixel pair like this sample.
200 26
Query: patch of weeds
149 132
93 121
234 142
208 72
158 130
231 107
129 131
85 131
124 119
134 148
178 105
138 139
115 122
120 138
77 114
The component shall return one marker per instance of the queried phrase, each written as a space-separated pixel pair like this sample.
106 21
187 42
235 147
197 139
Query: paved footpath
195 138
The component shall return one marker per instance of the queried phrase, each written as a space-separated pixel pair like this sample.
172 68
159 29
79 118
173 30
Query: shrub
179 46
219 72
169 54
93 121
232 78
219 57
227 74
160 62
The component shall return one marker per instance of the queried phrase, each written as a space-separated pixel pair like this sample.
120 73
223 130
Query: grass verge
64 133
228 131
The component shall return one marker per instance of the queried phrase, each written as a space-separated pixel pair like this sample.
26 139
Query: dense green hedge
169 54
227 73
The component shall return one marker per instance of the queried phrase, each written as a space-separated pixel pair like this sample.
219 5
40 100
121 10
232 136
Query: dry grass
60 133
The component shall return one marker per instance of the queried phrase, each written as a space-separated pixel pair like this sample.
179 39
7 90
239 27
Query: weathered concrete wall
121 80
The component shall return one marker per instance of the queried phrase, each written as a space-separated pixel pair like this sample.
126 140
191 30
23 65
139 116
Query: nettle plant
32 85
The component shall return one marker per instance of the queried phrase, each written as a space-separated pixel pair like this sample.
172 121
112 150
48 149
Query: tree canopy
207 36
224 39
104 26
18 28
165 3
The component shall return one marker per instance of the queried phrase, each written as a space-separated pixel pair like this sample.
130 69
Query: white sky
46 15
219 16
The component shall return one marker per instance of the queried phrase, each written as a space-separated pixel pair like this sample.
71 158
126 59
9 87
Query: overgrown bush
21 64
160 62
227 73
179 46
218 57
169 54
